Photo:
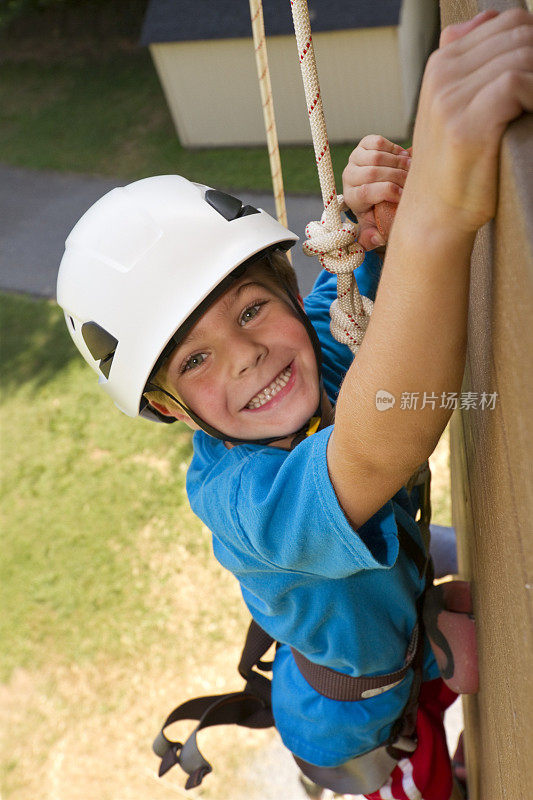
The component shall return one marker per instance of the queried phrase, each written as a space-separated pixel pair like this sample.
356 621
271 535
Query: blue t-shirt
345 599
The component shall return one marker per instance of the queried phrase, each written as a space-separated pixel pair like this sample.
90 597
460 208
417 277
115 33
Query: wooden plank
492 486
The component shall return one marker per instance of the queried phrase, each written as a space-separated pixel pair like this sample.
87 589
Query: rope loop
340 253
347 326
336 247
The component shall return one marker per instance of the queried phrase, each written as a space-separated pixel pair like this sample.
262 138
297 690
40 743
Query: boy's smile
248 367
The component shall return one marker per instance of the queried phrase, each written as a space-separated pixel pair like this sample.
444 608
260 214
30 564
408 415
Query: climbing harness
251 707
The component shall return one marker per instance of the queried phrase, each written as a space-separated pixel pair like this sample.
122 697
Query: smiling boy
248 366
182 301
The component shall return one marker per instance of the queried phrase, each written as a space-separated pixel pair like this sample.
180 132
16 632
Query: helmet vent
228 206
101 345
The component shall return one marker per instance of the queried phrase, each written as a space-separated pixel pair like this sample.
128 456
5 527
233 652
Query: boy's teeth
272 389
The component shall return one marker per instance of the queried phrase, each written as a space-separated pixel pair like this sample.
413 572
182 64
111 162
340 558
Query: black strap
405 726
250 708
240 708
256 645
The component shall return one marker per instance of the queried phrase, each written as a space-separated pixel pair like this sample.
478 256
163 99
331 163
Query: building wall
213 95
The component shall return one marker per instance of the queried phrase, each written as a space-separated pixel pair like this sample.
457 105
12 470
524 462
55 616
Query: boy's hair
277 266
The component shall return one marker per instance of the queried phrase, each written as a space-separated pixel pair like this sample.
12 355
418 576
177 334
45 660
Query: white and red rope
263 72
333 241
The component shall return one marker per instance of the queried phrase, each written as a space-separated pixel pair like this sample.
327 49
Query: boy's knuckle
372 174
434 65
362 193
524 58
522 35
517 16
510 81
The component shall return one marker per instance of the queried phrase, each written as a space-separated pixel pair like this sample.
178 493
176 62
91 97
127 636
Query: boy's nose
245 355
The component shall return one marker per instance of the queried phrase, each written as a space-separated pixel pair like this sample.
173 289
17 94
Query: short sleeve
284 508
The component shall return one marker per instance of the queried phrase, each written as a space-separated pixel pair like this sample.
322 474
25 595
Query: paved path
38 210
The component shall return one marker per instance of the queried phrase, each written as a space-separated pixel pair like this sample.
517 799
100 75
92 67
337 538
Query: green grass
109 117
113 607
83 488
90 499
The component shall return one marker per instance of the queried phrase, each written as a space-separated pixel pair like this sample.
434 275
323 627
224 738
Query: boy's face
248 367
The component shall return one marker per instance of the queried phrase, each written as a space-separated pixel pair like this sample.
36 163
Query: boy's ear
180 415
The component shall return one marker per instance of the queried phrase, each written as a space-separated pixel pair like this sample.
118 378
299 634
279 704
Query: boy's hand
479 80
376 171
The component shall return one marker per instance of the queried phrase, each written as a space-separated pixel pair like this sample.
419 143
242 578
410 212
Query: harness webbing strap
240 708
252 707
412 550
256 645
339 686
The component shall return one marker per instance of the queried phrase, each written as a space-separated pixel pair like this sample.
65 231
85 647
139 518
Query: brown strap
338 686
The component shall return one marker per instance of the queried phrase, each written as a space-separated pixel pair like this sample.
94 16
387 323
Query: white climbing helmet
140 261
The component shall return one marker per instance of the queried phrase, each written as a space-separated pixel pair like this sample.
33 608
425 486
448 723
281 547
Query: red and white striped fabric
427 774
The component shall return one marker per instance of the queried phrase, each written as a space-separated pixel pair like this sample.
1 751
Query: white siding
213 95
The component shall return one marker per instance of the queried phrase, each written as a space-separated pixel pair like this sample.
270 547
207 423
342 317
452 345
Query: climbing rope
263 72
331 239
334 241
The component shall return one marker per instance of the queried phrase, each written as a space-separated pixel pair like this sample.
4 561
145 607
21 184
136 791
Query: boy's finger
379 159
510 95
453 32
492 23
370 238
377 142
502 44
500 83
364 197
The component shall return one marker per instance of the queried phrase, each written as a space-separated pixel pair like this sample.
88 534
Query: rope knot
337 248
340 253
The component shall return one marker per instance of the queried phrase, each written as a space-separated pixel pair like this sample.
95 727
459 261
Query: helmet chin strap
310 427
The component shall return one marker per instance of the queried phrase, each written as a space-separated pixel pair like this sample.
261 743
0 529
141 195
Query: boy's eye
193 361
249 313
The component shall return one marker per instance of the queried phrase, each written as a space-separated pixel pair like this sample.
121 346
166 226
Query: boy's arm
416 339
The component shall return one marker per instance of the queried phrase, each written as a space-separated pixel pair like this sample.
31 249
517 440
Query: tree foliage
11 10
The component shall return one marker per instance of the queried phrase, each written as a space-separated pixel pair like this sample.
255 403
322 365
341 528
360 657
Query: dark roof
186 20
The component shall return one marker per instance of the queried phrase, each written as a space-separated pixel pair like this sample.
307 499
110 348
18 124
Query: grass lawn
109 117
114 609
106 577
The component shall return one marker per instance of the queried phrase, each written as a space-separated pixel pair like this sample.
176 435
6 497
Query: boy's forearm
415 342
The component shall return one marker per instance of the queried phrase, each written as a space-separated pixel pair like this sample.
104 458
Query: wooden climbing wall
492 474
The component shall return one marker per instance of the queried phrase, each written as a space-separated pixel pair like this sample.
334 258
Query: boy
179 298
